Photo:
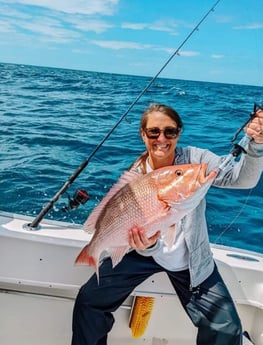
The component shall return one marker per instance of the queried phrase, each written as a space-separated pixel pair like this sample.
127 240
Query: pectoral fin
169 237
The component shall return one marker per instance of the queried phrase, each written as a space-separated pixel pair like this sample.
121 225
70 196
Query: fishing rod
239 147
81 196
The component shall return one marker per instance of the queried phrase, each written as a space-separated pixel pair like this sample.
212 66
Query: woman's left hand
138 239
255 127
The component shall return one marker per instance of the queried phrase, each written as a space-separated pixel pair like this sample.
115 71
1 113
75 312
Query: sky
138 37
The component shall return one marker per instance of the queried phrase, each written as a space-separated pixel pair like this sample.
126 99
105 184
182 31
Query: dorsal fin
124 179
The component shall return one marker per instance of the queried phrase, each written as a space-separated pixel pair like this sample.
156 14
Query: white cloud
116 45
217 56
253 26
50 30
102 7
86 24
45 28
5 26
48 26
8 11
134 26
188 53
166 26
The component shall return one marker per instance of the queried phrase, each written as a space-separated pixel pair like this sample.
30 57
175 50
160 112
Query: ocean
52 120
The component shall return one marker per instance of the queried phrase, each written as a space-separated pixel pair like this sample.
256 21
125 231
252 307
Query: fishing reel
80 197
237 148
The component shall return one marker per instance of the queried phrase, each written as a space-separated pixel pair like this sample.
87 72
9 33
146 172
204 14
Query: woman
189 263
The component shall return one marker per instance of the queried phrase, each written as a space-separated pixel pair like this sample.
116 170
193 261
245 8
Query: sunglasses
154 132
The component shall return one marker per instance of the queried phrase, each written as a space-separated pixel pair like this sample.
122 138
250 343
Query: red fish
154 201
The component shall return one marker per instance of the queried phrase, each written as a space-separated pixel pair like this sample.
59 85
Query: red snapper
154 201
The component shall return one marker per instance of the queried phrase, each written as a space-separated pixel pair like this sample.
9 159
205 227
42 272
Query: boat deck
39 282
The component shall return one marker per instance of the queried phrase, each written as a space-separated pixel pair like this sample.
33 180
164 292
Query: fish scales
155 201
133 205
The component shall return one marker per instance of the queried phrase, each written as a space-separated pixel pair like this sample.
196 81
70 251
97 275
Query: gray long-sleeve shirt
242 174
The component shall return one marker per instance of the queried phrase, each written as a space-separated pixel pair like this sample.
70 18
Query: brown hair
162 108
166 110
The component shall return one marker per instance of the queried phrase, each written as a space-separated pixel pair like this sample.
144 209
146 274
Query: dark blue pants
209 306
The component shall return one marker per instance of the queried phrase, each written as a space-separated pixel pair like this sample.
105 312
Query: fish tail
84 258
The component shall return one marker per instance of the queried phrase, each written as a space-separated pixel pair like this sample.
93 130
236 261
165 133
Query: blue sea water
53 119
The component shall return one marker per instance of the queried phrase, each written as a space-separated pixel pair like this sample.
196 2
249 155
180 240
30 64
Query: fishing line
235 218
238 148
37 220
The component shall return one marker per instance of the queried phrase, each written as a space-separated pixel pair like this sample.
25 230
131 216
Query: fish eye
179 172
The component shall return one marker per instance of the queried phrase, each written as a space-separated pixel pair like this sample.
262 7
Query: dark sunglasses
154 132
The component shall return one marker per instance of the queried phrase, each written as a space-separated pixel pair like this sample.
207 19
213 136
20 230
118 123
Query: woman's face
160 148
